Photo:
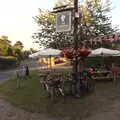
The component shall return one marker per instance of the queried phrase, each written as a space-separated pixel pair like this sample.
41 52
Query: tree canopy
95 22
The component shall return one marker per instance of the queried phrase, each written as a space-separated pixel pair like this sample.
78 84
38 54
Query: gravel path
8 112
107 112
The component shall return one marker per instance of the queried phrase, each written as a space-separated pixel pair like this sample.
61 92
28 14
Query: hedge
7 62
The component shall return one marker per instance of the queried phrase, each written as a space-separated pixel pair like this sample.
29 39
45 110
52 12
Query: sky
17 23
116 12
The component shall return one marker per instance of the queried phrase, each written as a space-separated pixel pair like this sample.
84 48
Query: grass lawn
32 98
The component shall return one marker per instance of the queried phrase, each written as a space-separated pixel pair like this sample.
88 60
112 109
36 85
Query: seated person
91 69
114 68
107 67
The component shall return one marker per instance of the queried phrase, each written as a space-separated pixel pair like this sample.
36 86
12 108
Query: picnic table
102 75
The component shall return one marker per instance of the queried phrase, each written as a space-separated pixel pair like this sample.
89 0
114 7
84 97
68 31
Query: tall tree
95 22
19 45
9 51
17 50
4 45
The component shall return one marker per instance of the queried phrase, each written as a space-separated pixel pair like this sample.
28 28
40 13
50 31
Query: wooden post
75 34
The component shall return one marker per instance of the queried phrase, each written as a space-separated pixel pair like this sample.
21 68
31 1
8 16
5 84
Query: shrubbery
7 62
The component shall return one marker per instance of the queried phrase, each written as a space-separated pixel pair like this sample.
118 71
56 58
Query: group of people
82 78
111 67
97 68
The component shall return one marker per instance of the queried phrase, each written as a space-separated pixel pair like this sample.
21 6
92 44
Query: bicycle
54 86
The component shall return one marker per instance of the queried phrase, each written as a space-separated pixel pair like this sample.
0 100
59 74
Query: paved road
33 65
9 73
6 74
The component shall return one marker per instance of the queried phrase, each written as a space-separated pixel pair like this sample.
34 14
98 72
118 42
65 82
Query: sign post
75 33
63 24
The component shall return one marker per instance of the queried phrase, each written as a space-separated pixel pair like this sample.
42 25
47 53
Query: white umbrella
34 55
50 52
46 53
104 52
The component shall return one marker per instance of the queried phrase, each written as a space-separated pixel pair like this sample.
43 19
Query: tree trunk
81 65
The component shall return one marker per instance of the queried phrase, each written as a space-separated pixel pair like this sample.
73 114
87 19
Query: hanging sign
63 21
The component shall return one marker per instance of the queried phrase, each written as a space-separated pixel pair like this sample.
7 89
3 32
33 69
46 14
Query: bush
7 62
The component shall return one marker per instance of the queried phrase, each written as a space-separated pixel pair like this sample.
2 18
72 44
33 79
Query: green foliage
9 51
94 23
6 49
4 46
18 53
25 54
19 44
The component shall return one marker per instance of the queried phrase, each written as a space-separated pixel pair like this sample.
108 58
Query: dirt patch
8 112
107 111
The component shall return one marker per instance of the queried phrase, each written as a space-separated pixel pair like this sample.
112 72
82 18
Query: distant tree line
16 50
